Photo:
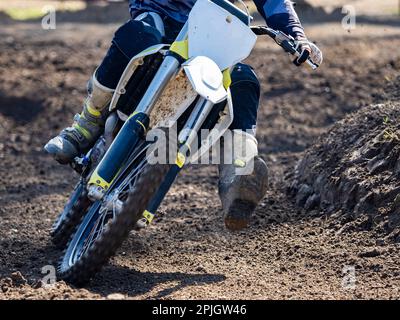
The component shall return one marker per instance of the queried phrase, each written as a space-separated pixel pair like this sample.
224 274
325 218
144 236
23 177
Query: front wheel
71 216
104 227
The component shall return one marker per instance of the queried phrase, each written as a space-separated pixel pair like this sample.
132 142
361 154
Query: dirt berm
353 170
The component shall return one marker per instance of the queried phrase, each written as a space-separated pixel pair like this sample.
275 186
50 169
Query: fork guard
131 132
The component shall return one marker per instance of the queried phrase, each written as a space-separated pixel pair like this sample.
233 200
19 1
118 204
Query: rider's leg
243 181
130 39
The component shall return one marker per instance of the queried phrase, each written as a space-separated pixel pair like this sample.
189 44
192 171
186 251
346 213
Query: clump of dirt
353 171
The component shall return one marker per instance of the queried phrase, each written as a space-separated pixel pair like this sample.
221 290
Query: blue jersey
279 14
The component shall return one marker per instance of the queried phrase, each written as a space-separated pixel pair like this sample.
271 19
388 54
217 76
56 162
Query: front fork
187 137
135 128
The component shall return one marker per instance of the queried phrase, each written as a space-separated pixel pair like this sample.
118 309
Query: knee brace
245 90
152 19
244 73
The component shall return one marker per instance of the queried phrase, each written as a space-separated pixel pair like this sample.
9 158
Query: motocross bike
184 84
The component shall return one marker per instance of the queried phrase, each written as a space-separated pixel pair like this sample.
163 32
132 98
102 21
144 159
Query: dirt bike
186 85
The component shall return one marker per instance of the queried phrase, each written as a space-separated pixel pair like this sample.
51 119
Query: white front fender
206 78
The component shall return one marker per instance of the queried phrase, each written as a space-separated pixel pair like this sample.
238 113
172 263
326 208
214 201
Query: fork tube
132 131
168 69
195 121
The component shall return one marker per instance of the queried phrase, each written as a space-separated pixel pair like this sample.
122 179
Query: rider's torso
176 9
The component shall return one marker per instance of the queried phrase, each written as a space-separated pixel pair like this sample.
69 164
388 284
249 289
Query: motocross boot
87 126
243 182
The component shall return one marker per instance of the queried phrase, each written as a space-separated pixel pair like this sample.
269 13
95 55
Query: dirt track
187 253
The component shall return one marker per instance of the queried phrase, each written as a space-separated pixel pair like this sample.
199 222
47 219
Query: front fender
206 78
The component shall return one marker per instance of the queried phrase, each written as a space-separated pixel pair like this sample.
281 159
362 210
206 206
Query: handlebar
288 43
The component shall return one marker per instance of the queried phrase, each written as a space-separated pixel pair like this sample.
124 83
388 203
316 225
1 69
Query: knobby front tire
71 216
79 271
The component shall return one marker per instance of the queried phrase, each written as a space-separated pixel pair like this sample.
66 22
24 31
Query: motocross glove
307 50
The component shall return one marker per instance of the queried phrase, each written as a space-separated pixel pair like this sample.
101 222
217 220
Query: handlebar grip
285 43
310 63
264 30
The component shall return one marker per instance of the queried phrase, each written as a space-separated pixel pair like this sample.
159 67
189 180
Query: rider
159 21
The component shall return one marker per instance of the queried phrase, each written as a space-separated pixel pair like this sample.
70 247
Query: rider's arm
280 15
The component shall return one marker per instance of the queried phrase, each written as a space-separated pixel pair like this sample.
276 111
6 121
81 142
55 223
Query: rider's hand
307 50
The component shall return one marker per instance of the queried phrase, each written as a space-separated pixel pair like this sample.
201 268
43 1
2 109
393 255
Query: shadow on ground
134 283
20 109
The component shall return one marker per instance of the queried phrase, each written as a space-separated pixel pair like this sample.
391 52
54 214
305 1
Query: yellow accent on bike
138 121
99 181
181 48
148 216
227 80
133 114
180 160
143 126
